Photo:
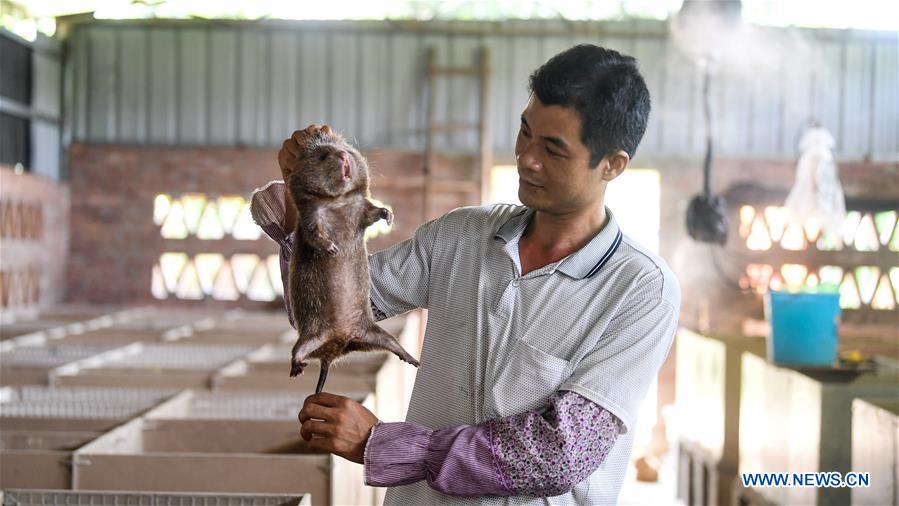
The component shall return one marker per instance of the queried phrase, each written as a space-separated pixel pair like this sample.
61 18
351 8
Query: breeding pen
194 440
168 365
43 426
29 365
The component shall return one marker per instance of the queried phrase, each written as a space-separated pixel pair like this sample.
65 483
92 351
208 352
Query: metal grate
164 319
39 332
94 394
162 356
254 320
86 498
49 356
80 403
79 411
245 406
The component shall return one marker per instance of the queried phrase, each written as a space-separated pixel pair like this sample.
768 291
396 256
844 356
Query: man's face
553 164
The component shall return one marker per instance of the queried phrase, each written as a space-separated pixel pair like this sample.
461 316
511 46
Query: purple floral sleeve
535 453
546 455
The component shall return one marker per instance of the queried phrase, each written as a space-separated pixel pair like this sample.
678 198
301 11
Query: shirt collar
583 263
515 225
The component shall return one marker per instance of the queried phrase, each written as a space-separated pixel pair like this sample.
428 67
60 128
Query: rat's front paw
333 249
387 215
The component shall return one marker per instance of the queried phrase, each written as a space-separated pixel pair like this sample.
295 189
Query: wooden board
34 469
185 472
875 450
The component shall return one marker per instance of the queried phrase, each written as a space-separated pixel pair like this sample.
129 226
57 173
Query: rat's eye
323 157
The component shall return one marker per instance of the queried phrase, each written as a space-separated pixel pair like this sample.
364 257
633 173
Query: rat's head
329 166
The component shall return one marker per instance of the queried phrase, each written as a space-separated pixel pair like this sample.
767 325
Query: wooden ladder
478 188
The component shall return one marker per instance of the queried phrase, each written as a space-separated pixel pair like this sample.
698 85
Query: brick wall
115 242
34 233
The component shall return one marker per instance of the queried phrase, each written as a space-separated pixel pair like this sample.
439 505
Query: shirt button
515 283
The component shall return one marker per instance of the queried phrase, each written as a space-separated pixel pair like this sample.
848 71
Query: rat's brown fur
329 277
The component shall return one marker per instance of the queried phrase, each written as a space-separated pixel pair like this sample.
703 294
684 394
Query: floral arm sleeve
534 453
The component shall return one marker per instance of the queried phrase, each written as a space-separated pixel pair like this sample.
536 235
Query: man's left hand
337 425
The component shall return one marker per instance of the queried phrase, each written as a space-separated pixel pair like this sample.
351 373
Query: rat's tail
322 376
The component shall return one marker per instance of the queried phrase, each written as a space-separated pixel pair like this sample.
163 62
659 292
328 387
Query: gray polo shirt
599 322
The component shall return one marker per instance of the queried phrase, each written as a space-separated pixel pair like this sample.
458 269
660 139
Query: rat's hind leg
301 350
376 338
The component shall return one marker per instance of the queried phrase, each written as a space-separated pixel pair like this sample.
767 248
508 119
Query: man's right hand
288 156
292 148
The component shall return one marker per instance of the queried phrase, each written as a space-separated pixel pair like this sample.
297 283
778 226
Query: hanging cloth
817 193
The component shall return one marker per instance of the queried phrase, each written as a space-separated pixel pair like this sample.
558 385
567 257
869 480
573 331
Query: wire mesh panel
162 319
224 337
75 313
99 395
68 411
245 406
49 356
16 329
254 320
90 498
162 356
149 365
81 403
40 331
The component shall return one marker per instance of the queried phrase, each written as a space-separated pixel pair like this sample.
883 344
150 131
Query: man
546 324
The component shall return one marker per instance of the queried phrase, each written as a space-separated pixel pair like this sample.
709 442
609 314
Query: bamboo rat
328 274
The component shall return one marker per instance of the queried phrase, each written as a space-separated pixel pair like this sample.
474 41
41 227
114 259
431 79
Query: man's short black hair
605 88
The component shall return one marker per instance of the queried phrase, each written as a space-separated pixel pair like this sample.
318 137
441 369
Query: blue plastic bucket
803 328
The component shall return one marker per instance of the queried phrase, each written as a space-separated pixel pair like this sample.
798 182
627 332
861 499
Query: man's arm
539 453
267 206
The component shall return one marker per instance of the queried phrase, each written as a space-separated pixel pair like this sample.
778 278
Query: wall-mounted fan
707 214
